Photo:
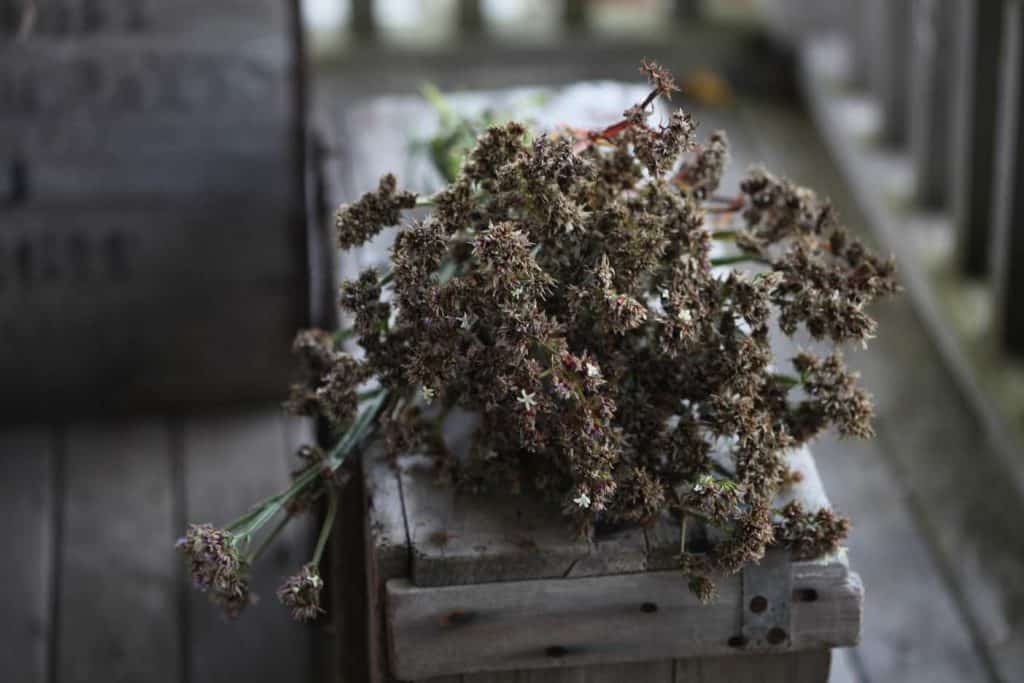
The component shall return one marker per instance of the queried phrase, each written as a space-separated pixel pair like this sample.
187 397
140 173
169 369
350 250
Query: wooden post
888 53
687 10
364 23
470 17
575 17
931 100
1007 252
978 48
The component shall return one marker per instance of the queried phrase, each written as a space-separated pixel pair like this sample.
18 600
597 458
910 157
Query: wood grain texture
799 667
28 458
533 624
387 553
159 301
119 566
230 461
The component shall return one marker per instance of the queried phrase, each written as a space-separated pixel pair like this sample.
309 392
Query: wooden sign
153 232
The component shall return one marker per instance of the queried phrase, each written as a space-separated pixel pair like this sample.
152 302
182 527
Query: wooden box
464 587
153 227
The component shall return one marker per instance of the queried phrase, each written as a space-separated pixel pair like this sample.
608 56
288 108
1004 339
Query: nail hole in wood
805 595
648 607
758 604
776 635
556 651
457 618
737 641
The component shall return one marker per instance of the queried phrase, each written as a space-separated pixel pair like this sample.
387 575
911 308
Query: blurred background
168 170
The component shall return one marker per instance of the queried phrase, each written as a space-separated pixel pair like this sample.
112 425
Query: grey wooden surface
150 153
93 588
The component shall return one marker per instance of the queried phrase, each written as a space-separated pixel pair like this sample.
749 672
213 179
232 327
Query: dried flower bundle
563 288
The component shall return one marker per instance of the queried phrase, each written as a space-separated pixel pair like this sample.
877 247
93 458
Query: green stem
682 534
788 380
269 538
325 530
368 394
738 258
724 235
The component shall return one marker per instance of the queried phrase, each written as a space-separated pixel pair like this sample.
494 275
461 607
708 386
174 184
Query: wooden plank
118 613
641 672
458 538
1008 235
85 17
978 49
597 620
388 553
148 293
931 99
801 667
231 460
28 469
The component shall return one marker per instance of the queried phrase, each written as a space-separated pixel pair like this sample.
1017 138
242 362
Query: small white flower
593 371
685 315
528 400
428 394
466 321
583 500
569 227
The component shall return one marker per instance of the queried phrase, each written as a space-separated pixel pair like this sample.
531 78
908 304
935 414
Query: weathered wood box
153 227
466 587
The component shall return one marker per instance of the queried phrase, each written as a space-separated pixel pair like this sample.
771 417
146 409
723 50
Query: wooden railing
948 77
471 19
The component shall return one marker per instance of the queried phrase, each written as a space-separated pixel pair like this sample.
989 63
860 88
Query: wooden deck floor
90 588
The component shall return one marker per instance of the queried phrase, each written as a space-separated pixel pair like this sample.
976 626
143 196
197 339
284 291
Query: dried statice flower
216 567
361 220
301 593
704 174
835 397
331 393
563 290
810 534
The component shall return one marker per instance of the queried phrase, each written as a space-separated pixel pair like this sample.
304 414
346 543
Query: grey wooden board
387 553
515 624
69 18
118 612
27 477
933 454
231 461
802 667
161 302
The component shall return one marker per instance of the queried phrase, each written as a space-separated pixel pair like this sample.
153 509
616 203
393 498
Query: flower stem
738 258
325 530
788 380
682 534
265 543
